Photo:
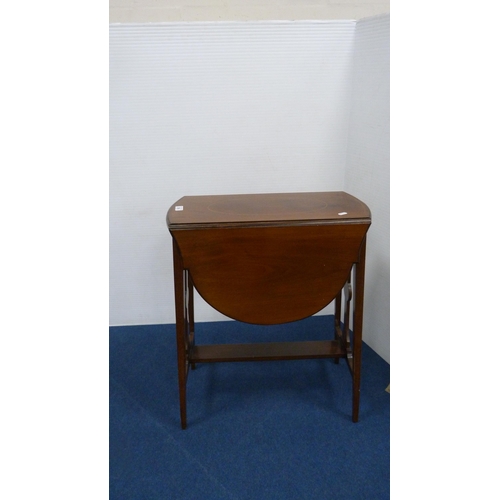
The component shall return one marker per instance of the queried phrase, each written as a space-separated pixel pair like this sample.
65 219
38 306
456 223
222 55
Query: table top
275 209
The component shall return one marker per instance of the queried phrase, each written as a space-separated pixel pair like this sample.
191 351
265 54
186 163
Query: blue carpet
256 430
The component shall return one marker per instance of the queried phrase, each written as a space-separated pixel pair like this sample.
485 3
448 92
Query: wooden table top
276 209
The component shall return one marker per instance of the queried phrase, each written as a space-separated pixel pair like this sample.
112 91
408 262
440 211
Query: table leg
336 326
358 329
190 315
346 335
180 328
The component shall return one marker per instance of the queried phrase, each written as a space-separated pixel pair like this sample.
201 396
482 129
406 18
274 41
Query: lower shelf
266 351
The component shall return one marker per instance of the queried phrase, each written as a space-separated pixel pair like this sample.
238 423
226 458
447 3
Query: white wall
145 11
214 108
367 168
201 108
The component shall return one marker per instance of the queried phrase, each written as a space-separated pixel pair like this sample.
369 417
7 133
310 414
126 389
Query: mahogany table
268 259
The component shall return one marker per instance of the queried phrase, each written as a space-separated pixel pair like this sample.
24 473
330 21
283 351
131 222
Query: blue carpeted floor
256 430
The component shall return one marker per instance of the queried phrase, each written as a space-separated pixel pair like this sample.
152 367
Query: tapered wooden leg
336 326
180 327
190 315
358 329
347 316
